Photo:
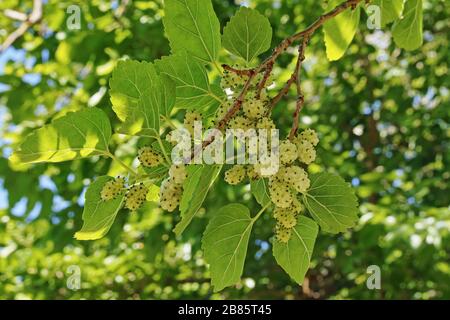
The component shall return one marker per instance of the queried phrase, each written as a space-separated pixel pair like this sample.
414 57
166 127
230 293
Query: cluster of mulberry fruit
254 110
172 188
290 180
135 195
287 183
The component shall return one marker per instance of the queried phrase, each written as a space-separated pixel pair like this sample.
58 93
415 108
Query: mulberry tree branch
28 21
300 97
268 63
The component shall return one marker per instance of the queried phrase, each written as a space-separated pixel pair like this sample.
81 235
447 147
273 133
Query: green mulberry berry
254 109
280 194
309 135
149 157
240 122
136 197
170 195
306 152
235 175
189 120
283 234
112 189
296 177
288 152
178 173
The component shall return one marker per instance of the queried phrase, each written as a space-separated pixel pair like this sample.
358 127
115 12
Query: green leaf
225 243
193 89
195 188
75 135
168 95
247 34
137 94
294 257
331 202
407 32
260 191
340 30
193 26
390 10
98 215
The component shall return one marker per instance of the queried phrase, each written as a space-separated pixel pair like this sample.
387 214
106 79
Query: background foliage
382 115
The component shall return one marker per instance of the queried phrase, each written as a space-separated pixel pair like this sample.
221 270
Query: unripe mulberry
178 173
112 189
280 194
306 152
288 152
254 109
149 157
265 123
296 206
235 175
283 234
296 177
240 122
170 195
189 120
136 197
309 135
252 173
287 219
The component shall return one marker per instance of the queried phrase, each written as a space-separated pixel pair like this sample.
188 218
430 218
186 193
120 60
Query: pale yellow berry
309 135
280 194
178 173
288 152
112 189
296 177
283 234
235 175
306 152
136 197
149 157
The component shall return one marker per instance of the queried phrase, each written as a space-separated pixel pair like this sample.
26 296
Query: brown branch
305 34
241 72
300 97
284 90
263 81
34 17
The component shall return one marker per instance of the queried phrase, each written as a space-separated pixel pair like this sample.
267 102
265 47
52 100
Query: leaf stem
163 150
168 121
217 67
123 164
261 211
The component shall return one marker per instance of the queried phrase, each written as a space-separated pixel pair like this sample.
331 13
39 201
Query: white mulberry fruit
306 151
149 157
235 175
136 197
288 152
112 189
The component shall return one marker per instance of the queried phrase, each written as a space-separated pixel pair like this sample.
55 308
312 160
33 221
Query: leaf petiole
267 205
123 164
